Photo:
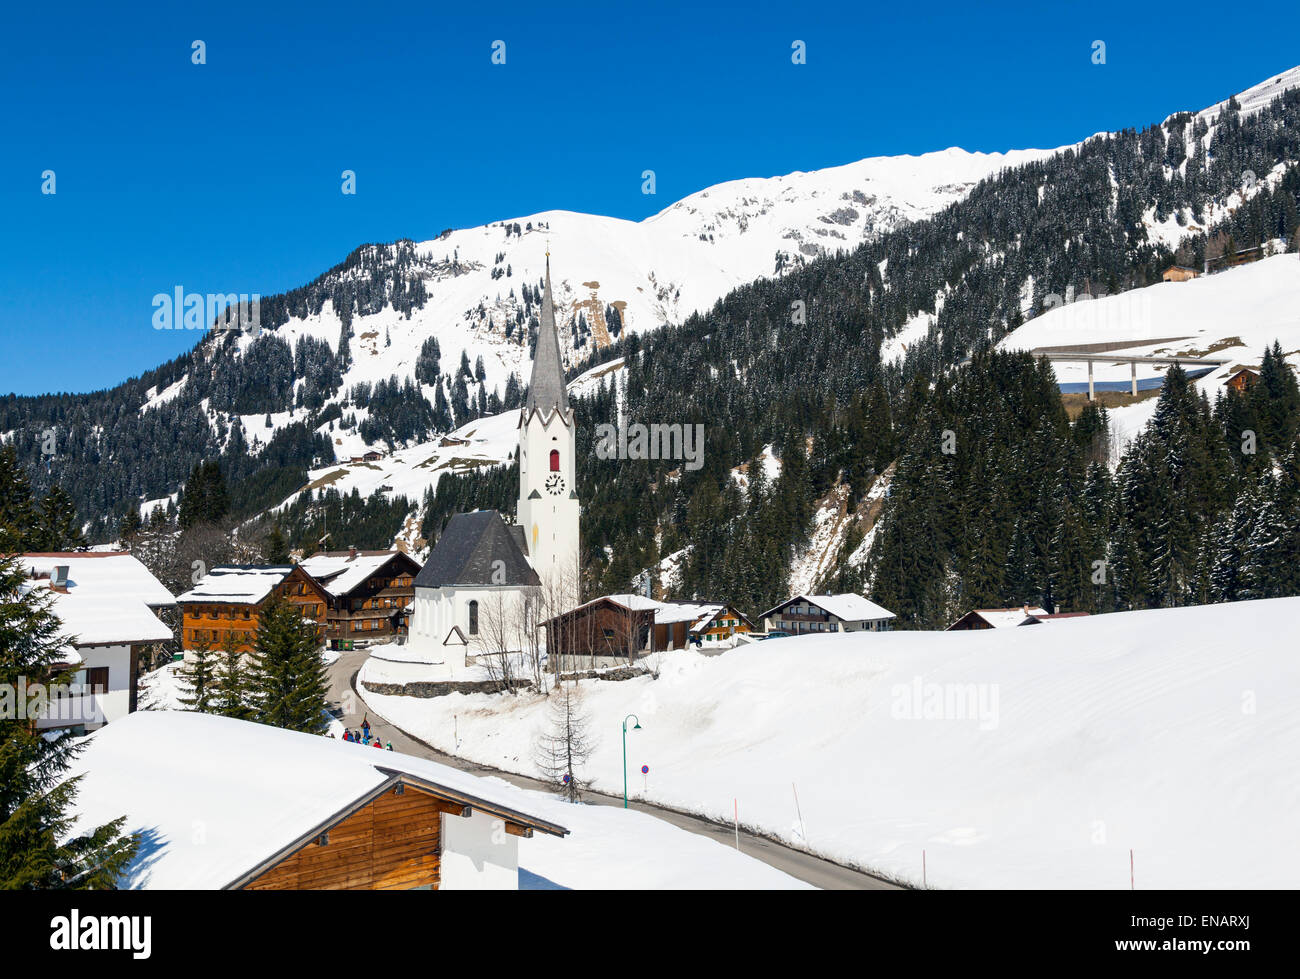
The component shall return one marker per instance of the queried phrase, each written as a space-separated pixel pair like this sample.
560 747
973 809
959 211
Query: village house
369 591
616 629
283 810
1242 379
1179 273
1004 618
805 614
720 625
1240 256
228 601
107 602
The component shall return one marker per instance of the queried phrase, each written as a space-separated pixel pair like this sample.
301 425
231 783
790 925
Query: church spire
546 391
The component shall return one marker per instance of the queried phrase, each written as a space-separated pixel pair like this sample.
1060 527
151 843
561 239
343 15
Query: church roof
468 551
546 390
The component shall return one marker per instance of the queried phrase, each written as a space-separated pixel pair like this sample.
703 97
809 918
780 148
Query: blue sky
225 177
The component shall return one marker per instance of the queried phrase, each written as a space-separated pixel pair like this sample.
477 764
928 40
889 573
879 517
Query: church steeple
546 391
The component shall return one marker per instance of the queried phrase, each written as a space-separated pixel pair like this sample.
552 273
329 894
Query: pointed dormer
546 391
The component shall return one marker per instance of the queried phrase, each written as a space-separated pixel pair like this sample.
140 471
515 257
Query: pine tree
276 549
16 514
58 527
36 796
233 696
200 679
289 675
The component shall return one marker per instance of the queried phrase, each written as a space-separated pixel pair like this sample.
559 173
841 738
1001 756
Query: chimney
352 551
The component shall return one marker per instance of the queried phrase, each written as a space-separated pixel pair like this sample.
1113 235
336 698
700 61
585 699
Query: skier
347 735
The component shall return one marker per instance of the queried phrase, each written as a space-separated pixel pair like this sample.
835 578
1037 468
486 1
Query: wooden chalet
721 624
1241 256
1004 618
228 601
283 810
599 631
369 591
621 628
1179 273
1242 379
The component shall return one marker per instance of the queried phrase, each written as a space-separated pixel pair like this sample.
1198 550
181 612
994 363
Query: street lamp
635 727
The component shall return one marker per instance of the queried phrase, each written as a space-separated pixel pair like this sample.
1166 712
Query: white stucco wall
478 854
101 708
551 522
437 610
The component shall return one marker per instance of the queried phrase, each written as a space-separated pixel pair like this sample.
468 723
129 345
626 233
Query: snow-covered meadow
1030 757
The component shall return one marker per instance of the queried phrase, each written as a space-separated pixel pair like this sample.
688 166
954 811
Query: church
485 577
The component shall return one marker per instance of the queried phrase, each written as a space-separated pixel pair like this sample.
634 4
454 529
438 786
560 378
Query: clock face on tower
555 484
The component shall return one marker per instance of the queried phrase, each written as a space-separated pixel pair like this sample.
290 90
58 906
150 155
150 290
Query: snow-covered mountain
656 271
683 260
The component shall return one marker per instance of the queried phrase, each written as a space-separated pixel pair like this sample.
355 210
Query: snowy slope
1161 731
1232 315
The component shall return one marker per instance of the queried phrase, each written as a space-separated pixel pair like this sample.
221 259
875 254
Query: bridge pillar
1091 394
1134 365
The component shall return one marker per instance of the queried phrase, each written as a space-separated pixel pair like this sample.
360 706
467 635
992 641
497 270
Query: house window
473 618
97 679
555 460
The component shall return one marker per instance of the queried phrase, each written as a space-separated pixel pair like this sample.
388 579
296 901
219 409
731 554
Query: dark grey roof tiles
468 551
546 390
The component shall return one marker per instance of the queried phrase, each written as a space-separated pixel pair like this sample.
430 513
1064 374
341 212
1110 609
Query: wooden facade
1179 273
1242 380
373 609
392 843
209 623
602 627
724 624
389 840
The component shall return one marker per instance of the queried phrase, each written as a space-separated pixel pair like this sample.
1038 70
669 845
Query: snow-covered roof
339 574
1004 618
215 798
109 574
668 612
238 583
110 597
847 607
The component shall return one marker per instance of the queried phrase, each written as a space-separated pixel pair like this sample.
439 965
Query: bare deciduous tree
498 639
559 593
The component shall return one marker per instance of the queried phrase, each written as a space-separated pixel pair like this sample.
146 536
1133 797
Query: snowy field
1033 757
616 849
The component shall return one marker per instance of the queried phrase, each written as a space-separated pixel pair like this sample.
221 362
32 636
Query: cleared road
814 870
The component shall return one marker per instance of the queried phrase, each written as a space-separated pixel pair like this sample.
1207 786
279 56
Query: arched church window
555 460
473 618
